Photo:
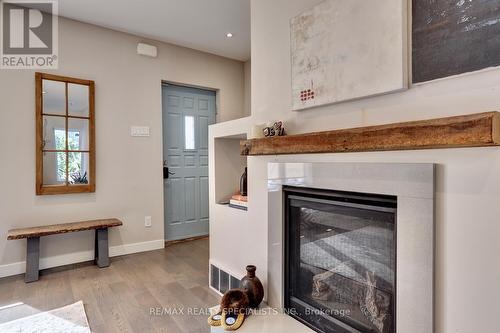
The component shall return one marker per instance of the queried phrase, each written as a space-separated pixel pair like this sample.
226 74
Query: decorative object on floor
244 183
215 319
454 37
252 286
328 68
274 129
33 235
70 318
234 306
475 130
239 201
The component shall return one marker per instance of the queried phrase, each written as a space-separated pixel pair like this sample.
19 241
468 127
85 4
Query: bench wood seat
62 228
33 234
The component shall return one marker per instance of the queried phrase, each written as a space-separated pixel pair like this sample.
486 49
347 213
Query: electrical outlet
147 221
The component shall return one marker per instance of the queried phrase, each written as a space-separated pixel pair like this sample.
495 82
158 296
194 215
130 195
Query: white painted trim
10 305
124 249
82 256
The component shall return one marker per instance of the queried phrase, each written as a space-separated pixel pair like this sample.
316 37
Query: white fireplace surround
413 184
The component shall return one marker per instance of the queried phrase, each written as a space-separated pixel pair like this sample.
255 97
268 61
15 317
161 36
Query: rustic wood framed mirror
65 135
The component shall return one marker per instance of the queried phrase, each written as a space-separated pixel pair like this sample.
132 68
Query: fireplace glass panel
341 260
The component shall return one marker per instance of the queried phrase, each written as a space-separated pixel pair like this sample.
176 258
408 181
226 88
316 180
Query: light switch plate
147 221
139 130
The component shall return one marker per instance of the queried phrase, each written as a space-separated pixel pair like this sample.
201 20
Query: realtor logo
29 34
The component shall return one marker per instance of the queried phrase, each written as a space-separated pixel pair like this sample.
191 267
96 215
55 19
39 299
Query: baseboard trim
172 242
82 256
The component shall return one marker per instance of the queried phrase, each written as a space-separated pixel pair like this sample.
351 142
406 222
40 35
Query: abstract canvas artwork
348 49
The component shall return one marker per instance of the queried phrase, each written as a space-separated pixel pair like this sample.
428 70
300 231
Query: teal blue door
187 113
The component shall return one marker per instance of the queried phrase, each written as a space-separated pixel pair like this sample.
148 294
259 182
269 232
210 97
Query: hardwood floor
121 298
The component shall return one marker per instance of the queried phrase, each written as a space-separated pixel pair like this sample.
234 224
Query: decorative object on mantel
475 130
275 129
253 287
328 68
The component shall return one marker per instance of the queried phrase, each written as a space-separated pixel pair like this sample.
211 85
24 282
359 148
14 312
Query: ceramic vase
252 286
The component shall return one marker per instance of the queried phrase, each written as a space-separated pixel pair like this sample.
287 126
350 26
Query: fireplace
340 260
314 197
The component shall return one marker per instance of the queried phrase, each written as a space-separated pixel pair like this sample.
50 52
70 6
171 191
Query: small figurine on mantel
275 129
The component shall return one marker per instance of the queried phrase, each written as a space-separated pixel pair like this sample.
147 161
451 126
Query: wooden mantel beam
475 130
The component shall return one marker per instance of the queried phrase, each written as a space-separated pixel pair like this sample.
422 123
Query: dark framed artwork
452 37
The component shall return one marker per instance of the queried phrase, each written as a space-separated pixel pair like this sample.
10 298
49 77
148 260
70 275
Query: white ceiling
197 24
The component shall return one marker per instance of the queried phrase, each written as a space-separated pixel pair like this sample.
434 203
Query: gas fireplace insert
340 260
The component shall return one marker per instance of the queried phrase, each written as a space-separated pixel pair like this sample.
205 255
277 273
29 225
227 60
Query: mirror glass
78 168
78 134
54 133
54 168
54 97
78 100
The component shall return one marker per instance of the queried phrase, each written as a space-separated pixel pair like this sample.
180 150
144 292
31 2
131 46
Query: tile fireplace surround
412 184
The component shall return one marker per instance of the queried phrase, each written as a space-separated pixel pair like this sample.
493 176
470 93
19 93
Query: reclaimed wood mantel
475 130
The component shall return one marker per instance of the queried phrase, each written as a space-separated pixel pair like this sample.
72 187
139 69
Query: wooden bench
33 237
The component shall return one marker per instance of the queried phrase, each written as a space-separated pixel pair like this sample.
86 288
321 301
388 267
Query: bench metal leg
32 259
101 248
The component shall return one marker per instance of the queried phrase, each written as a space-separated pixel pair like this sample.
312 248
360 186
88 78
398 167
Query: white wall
230 248
247 88
129 170
468 180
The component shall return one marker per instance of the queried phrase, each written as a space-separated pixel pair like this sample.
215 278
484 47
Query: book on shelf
238 206
238 203
239 197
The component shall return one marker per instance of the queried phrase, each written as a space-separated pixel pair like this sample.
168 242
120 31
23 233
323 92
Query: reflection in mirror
54 168
78 134
78 100
54 97
78 168
54 133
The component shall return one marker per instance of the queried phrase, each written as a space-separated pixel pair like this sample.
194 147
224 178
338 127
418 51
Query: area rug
68 319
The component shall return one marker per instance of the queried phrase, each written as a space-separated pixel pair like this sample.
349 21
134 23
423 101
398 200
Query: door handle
167 173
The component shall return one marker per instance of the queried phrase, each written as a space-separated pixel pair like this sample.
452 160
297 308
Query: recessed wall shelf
475 130
229 166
